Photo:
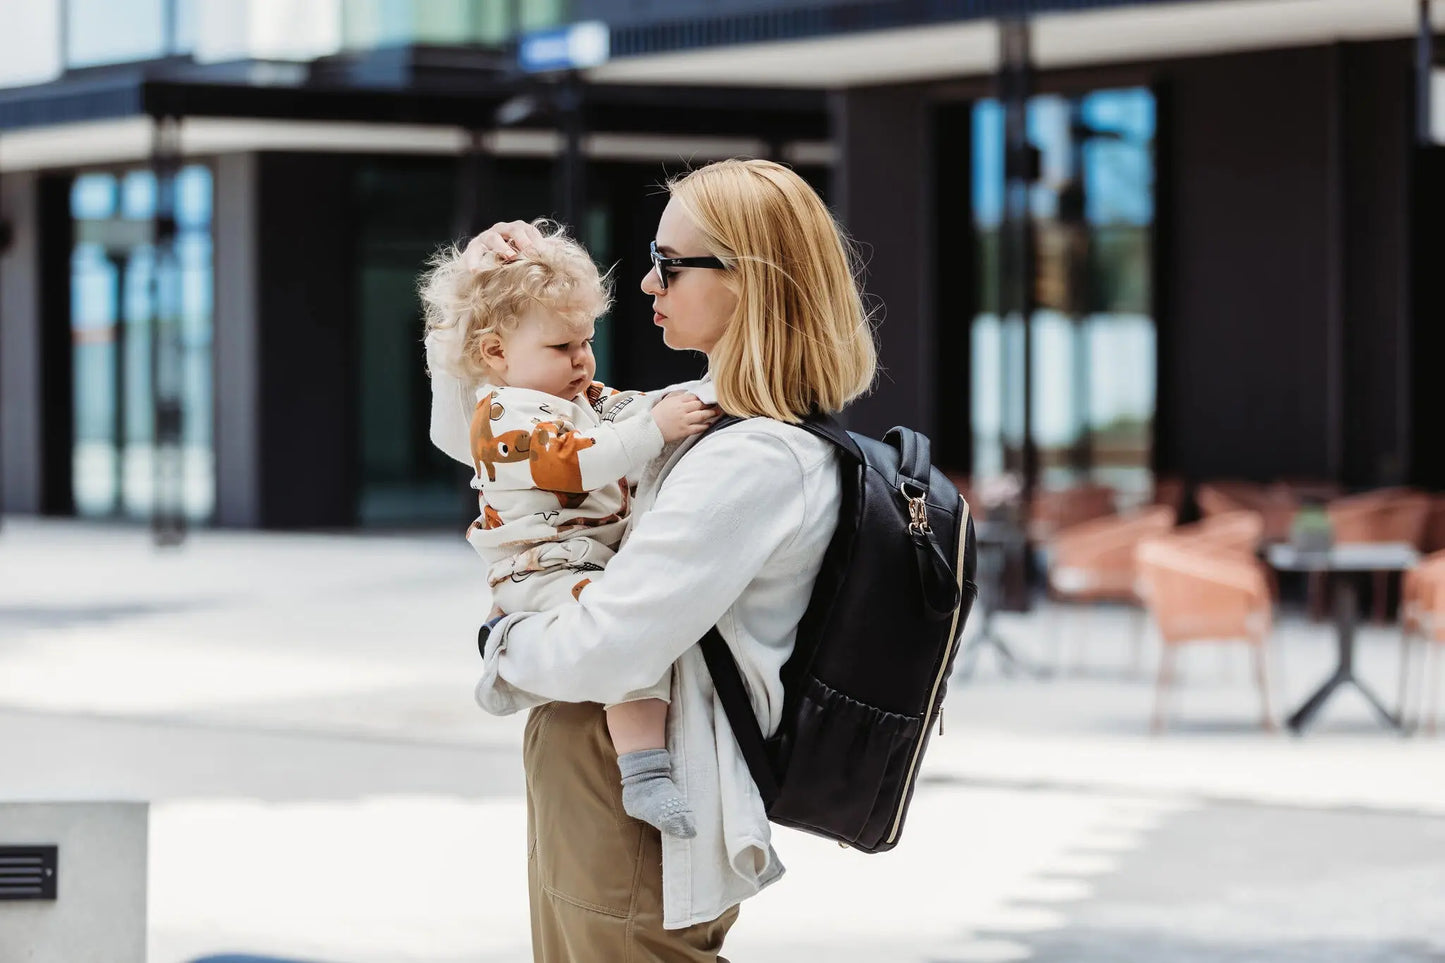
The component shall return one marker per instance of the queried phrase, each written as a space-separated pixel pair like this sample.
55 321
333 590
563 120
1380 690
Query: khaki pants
594 873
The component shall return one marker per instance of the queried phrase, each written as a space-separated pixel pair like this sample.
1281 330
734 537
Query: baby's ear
493 352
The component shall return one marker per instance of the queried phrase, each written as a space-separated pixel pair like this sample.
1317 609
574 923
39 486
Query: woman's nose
649 283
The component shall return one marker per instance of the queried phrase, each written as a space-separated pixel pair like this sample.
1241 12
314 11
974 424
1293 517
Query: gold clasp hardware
917 512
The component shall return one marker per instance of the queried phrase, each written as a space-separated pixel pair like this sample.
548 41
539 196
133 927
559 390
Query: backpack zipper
942 668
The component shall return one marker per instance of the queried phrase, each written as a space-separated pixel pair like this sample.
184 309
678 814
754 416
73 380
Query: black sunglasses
665 265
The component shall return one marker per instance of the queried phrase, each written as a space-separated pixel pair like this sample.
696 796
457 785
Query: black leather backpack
870 667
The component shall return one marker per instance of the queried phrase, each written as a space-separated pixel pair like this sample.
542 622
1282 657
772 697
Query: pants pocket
587 850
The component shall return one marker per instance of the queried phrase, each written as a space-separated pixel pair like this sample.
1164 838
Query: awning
964 47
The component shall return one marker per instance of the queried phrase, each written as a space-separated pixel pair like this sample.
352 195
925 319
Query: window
1092 357
115 284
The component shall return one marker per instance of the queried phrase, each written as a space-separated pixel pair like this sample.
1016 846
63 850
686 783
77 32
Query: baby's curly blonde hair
464 306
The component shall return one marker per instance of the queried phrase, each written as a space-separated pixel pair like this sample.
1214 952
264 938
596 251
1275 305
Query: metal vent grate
28 872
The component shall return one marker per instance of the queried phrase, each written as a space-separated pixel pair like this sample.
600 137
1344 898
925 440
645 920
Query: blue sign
573 47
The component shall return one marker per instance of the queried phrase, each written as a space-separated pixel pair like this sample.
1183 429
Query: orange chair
1052 511
1169 491
1383 515
1422 620
1237 531
1435 526
1093 561
1275 504
1202 592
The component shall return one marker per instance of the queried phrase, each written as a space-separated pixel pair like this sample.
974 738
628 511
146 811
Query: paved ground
297 709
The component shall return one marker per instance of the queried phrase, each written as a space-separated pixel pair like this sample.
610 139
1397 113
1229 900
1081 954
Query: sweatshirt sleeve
525 439
721 514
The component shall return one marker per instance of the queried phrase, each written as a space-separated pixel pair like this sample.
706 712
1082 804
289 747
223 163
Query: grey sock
648 793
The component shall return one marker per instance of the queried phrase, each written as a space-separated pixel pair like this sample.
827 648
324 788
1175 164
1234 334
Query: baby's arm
525 439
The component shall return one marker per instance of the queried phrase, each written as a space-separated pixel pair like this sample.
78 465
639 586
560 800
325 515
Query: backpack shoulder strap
727 681
823 425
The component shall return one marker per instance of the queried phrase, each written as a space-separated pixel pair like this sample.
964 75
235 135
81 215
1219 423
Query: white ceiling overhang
129 140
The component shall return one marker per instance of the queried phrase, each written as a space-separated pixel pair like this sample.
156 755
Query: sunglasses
664 266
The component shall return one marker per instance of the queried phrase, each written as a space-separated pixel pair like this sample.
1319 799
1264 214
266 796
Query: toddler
510 344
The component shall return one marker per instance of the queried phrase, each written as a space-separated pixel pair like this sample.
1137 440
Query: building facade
1226 209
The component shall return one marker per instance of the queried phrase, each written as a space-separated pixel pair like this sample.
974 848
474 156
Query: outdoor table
1344 565
997 543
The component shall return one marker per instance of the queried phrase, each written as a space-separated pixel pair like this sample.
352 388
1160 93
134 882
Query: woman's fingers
502 240
524 235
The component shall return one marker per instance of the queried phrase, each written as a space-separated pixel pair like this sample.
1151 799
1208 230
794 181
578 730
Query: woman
749 268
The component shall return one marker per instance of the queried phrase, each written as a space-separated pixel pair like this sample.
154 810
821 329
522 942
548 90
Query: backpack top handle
915 462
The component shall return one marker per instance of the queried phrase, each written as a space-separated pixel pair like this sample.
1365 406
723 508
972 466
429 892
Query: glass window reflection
118 290
1093 345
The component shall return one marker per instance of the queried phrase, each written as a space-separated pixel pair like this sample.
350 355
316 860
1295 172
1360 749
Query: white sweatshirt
548 471
733 534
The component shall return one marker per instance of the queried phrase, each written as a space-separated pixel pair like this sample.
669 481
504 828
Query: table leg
1386 716
1347 606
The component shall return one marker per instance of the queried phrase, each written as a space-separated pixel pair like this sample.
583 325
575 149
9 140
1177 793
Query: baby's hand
682 414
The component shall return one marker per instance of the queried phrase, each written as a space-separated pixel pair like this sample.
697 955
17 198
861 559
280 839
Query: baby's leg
639 734
638 725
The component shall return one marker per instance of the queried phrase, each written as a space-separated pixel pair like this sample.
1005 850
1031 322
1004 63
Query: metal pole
168 516
1016 250
474 179
1424 67
571 165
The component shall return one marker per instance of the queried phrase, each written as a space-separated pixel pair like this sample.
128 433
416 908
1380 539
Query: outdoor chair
1202 592
1169 491
1422 622
1238 531
1093 561
1053 511
1435 525
1276 504
1383 515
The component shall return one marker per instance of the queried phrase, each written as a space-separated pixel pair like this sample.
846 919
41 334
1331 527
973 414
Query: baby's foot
649 794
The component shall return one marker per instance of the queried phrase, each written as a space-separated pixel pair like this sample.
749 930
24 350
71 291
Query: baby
510 344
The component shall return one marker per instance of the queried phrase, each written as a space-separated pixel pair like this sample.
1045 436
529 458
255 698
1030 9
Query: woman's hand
504 240
682 414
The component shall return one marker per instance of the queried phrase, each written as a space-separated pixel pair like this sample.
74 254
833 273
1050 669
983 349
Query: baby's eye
560 347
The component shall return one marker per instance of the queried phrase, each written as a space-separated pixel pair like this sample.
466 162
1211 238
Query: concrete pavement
298 709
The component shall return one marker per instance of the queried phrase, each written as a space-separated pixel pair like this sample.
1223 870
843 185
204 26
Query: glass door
1092 340
113 297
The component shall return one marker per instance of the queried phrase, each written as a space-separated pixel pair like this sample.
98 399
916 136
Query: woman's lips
658 318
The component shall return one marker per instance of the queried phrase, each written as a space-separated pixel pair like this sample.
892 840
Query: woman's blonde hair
467 303
800 338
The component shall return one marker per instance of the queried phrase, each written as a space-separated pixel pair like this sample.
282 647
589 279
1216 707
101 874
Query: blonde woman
749 268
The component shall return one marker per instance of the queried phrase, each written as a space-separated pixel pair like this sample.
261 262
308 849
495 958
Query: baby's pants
552 574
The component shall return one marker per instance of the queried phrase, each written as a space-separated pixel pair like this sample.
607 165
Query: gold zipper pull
940 720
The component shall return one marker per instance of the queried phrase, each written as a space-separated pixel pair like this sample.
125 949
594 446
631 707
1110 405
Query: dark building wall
21 371
1377 140
306 432
1427 463
36 389
236 339
1285 309
1249 309
883 195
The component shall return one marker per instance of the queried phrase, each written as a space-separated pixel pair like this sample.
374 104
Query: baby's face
546 353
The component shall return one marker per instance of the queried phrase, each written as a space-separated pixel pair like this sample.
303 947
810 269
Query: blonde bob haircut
467 304
800 338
